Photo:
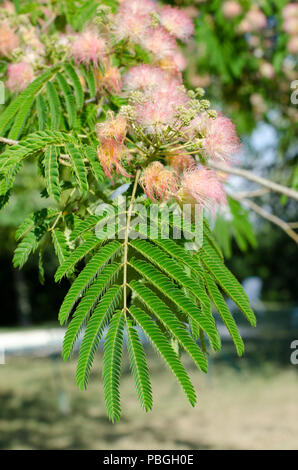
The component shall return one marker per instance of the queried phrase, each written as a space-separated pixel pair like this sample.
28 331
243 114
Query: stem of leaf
125 255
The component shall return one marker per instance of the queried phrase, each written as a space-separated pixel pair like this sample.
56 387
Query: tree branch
272 218
249 194
8 141
272 186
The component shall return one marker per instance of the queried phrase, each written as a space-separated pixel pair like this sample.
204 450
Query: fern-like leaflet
163 288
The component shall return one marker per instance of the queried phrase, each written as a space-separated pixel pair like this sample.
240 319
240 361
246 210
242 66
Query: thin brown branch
271 185
8 141
249 194
272 218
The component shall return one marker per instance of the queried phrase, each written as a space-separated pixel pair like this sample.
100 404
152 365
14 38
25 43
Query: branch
272 218
8 141
249 194
278 188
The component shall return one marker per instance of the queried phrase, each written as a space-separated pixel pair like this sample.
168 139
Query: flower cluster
168 132
254 21
88 48
111 134
19 76
154 28
290 26
231 9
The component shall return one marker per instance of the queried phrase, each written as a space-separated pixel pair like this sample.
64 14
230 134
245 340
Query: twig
126 240
249 194
8 141
272 186
272 218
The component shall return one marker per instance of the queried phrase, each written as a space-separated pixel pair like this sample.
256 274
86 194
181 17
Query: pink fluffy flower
110 154
19 76
201 186
160 107
111 79
87 48
254 20
145 76
111 151
133 19
180 162
221 141
267 70
290 10
177 22
293 45
8 40
174 63
219 137
158 41
231 9
112 127
8 6
158 183
290 25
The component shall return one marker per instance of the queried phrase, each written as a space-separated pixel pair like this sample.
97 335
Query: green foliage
236 226
123 288
169 289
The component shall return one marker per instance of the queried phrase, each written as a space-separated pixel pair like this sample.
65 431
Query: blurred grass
41 408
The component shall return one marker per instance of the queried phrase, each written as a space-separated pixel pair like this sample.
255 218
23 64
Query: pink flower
133 19
110 153
111 134
19 76
174 63
145 76
8 40
159 42
158 183
231 9
160 107
293 45
87 48
255 20
201 186
221 141
180 162
267 70
177 22
112 128
290 10
111 79
146 7
290 25
219 137
8 6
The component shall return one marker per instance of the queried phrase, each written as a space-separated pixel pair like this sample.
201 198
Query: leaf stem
125 255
